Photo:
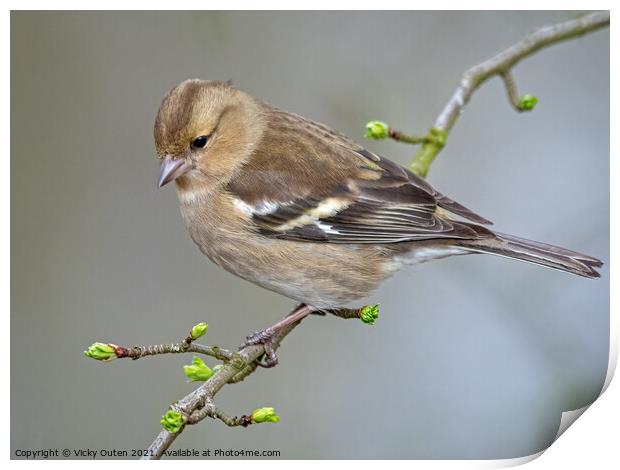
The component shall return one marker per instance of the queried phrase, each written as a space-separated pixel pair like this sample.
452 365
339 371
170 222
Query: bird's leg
265 337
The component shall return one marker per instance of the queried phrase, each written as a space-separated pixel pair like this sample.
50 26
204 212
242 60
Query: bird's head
204 131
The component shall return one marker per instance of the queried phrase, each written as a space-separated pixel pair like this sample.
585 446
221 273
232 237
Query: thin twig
511 90
508 58
399 136
210 410
500 64
137 352
207 391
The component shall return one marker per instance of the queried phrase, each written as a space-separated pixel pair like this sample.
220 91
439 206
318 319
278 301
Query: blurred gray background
473 357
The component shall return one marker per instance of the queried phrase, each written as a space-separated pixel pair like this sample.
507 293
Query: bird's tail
537 253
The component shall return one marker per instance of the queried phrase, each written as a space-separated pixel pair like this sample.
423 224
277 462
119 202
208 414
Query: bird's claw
264 337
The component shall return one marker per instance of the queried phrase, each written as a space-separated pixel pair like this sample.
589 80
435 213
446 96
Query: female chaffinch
299 209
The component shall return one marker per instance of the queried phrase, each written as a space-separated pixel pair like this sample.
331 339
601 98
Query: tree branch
136 352
501 65
190 405
504 61
199 404
239 366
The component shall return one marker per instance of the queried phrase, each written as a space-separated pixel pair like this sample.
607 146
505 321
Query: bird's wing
308 183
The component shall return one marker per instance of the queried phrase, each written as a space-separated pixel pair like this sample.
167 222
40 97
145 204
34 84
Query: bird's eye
200 142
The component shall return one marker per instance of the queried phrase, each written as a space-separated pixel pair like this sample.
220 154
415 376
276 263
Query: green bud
172 421
199 330
265 415
377 130
369 314
198 370
528 102
101 352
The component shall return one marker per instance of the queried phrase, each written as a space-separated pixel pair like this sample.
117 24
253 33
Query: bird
300 209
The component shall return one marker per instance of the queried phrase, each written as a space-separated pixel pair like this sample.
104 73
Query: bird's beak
171 169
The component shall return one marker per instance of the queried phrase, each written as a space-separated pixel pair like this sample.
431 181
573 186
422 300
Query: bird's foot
264 337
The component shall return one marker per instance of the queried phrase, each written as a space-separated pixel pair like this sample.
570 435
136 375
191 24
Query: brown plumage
295 207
